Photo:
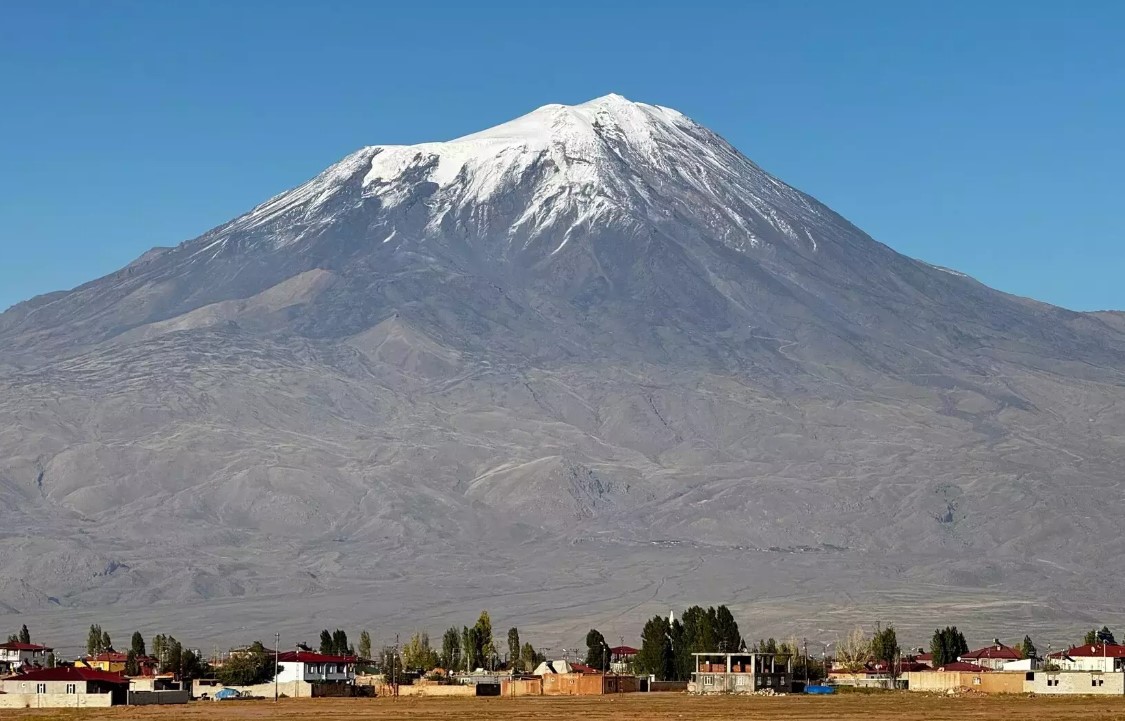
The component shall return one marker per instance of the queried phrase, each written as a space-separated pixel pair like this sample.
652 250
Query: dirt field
631 707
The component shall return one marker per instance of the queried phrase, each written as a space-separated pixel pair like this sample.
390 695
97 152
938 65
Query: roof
624 651
1108 650
17 646
310 657
961 666
997 651
70 673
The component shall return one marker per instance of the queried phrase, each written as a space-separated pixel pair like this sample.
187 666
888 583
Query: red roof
624 651
961 666
995 651
70 673
17 646
1098 650
583 668
310 657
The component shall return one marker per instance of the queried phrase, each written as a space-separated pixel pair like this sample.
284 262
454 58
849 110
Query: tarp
227 693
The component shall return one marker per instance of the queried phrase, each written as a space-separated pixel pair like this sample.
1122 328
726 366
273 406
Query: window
40 688
976 680
1094 682
70 688
1029 676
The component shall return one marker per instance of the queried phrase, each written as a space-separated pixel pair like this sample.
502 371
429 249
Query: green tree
326 645
137 644
450 649
107 645
51 660
597 650
94 640
947 645
159 646
513 646
530 658
365 645
853 652
246 669
485 648
132 668
25 635
885 648
728 638
1027 648
468 648
656 655
417 654
14 638
340 643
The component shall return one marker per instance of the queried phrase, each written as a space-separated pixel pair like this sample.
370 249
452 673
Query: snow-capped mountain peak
552 171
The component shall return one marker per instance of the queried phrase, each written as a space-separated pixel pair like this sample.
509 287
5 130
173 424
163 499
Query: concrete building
65 682
739 673
621 658
1104 657
992 657
15 655
309 667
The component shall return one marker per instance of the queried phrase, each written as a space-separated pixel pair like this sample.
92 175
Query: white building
1104 657
14 655
312 667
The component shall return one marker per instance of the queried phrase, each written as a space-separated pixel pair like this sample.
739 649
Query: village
700 652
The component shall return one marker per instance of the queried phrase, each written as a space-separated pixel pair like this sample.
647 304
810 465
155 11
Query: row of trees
667 645
336 643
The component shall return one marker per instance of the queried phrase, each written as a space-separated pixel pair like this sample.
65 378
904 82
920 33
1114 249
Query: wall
292 689
1076 682
522 687
985 682
55 700
572 684
150 698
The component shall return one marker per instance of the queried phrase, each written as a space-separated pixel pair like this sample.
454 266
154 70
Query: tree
25 635
365 645
468 648
727 636
417 654
326 645
1027 648
340 645
597 650
947 645
159 646
513 646
51 660
137 644
1104 636
107 645
14 638
485 648
95 640
450 648
656 655
853 653
246 669
530 658
132 668
885 648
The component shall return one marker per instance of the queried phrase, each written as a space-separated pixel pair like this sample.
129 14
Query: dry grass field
634 707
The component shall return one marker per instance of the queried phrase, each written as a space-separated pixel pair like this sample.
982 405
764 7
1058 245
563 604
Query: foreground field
633 707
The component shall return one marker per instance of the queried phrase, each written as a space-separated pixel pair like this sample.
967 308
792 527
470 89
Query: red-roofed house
68 681
961 667
1105 657
992 657
15 655
312 667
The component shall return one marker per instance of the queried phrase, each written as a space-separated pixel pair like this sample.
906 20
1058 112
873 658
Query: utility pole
806 641
276 656
394 667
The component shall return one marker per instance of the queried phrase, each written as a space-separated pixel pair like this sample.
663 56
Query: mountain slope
594 343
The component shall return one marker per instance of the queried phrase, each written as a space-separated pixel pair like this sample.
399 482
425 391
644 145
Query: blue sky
984 136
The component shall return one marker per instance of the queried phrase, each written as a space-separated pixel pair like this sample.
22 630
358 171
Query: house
310 667
114 662
15 655
60 687
875 674
1104 657
621 658
992 657
1075 682
716 673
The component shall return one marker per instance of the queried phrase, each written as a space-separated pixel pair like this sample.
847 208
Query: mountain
579 368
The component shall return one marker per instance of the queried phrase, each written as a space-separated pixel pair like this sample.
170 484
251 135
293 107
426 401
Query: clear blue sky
984 136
